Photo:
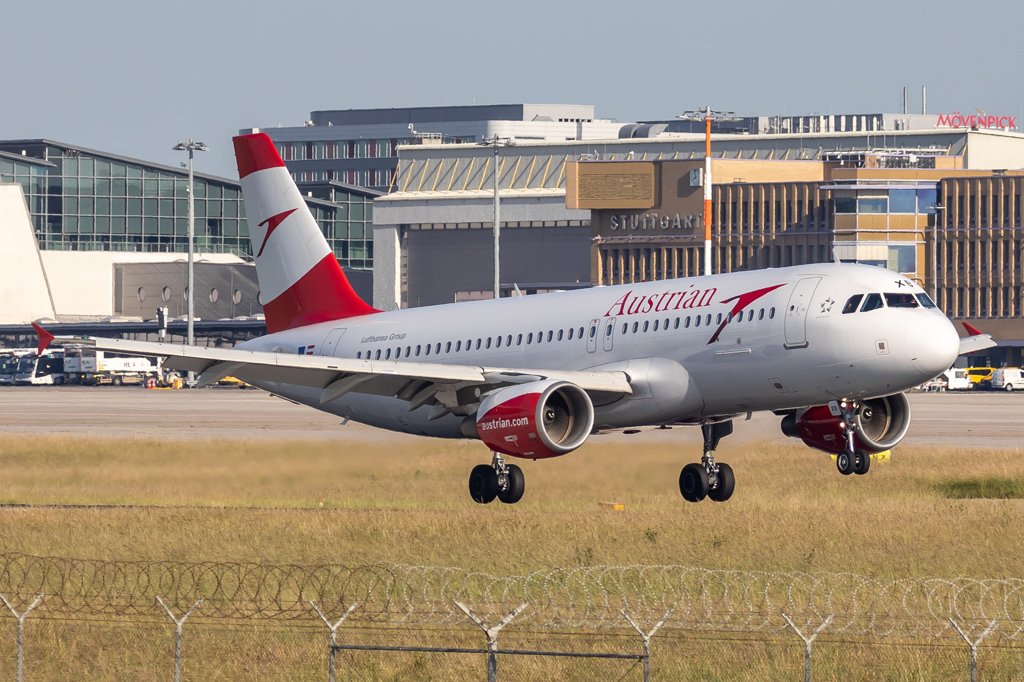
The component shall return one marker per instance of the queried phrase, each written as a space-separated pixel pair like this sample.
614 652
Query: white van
1008 379
956 379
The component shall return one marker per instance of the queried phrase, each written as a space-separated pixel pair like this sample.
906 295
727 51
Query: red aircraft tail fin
45 338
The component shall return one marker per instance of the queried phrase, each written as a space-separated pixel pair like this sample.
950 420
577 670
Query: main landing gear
708 478
852 460
497 479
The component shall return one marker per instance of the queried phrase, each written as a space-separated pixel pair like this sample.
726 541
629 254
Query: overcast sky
135 77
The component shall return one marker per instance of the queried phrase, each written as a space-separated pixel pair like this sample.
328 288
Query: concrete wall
442 262
431 256
995 150
24 294
222 290
82 282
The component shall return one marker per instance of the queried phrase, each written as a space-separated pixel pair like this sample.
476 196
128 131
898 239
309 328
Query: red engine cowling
536 419
880 424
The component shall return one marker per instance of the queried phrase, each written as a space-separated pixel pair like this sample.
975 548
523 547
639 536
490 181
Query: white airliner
829 347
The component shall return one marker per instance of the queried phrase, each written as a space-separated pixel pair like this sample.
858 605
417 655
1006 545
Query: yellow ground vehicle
980 377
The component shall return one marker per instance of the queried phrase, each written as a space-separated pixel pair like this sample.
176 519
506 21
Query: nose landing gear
709 478
852 460
496 480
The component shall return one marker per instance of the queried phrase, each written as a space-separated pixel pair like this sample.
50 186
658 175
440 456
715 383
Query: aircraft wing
418 382
975 340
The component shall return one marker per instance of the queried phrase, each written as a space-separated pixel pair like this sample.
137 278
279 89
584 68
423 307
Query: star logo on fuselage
272 222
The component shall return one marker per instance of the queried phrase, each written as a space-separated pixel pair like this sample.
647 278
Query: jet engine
879 424
536 419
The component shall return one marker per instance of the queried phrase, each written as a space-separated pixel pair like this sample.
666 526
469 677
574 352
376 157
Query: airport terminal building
583 202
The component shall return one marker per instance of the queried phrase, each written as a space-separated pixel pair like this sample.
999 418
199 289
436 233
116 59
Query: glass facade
84 201
346 216
32 175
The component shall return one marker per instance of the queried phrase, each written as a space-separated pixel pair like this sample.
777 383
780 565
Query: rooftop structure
360 146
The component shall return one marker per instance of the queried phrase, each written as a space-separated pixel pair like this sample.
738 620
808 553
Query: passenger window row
876 301
553 336
696 321
449 347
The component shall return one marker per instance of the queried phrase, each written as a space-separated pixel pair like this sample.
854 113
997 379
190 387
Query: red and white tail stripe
301 282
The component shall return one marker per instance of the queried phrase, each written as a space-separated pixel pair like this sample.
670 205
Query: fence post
492 636
808 641
973 646
646 639
21 630
179 624
333 627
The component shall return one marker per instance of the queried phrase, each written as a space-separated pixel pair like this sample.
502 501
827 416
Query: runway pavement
984 419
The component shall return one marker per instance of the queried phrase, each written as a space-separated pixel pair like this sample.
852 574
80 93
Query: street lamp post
707 115
191 147
496 142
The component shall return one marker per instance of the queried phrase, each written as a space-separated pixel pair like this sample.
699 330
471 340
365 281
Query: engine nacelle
537 419
880 424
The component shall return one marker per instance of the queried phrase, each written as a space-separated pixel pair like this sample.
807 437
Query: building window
872 205
927 200
845 205
902 201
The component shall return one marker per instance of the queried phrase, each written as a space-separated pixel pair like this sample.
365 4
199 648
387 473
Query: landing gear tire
483 483
844 462
693 482
861 462
726 484
515 485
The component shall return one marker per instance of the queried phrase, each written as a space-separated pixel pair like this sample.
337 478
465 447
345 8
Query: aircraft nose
936 345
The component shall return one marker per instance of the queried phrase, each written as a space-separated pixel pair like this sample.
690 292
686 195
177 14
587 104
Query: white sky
135 77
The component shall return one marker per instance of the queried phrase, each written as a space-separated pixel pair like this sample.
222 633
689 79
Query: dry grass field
332 501
932 511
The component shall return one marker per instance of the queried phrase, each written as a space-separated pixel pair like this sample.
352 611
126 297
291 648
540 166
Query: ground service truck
86 365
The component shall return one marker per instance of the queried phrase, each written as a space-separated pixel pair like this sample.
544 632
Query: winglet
972 330
45 338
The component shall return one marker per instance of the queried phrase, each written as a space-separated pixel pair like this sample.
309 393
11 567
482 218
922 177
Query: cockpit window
851 305
900 301
925 300
872 302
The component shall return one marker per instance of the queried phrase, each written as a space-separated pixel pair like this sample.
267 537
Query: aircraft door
608 337
331 341
592 335
796 312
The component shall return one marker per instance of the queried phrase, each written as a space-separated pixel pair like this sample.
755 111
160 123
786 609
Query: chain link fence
225 620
